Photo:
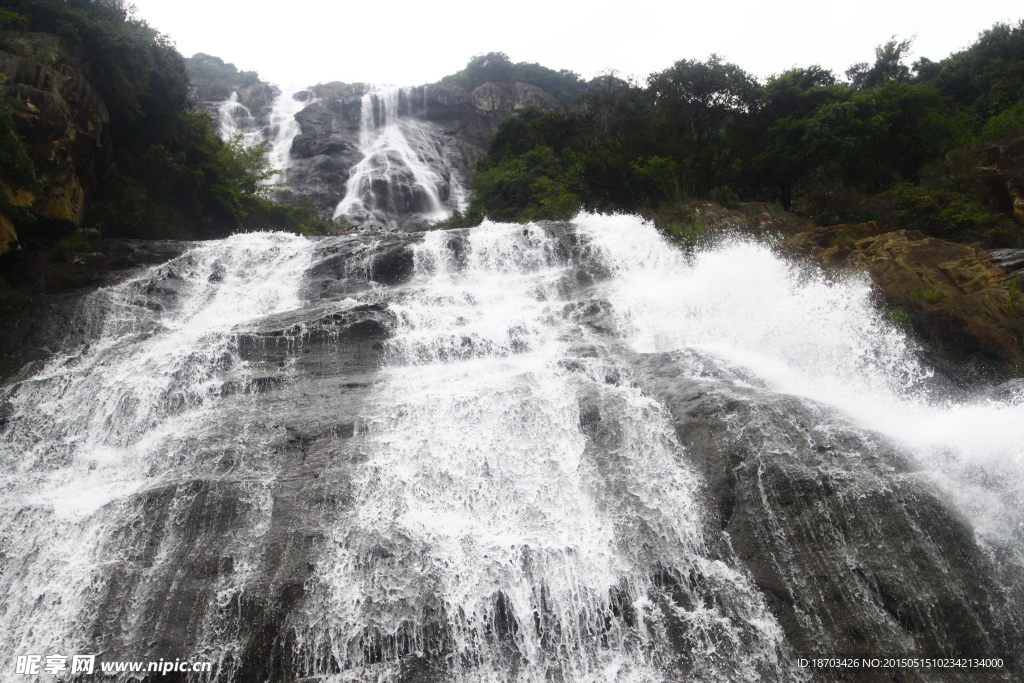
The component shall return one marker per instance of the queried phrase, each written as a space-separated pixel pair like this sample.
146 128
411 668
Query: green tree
889 66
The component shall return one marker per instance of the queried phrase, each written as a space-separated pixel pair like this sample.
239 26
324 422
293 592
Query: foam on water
108 419
826 340
487 525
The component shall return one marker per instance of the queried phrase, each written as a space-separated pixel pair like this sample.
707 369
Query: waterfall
121 414
459 456
284 128
234 118
404 174
279 133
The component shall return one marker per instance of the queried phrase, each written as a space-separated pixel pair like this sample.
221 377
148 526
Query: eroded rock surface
954 294
854 552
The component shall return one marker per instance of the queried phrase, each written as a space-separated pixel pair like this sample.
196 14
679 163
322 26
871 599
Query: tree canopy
864 147
174 176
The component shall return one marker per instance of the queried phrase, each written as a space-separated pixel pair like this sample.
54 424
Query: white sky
301 42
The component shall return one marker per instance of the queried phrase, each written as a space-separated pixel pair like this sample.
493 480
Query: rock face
954 294
324 154
826 517
255 538
510 97
63 122
38 319
1002 170
472 118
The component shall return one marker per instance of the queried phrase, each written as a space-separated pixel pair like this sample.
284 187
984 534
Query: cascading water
284 127
280 131
443 457
235 119
404 175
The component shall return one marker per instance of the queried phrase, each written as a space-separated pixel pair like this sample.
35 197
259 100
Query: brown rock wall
63 122
955 295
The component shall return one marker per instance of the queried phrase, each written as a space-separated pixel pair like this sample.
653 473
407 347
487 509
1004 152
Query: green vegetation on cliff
169 174
218 79
496 67
892 143
16 173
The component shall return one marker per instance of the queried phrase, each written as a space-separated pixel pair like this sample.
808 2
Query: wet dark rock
41 315
1012 261
854 553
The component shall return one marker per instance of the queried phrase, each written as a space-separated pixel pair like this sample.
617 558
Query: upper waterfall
404 175
275 125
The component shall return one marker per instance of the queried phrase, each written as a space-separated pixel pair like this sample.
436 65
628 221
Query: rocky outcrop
1002 172
510 97
258 98
323 154
853 552
38 313
63 122
473 117
954 295
756 217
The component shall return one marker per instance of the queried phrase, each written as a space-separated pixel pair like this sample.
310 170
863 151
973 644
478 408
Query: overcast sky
301 42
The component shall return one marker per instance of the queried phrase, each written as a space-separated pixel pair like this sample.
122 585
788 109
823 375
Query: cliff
63 122
321 157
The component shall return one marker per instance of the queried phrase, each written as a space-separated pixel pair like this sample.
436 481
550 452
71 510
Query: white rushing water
823 340
284 128
279 133
482 502
487 522
119 415
234 119
404 171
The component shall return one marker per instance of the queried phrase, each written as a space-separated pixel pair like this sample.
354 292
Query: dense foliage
890 142
496 67
174 176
